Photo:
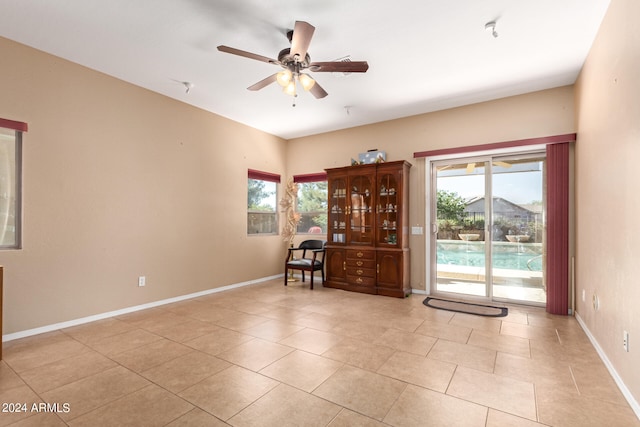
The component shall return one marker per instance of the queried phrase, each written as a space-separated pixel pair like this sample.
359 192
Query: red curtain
263 176
558 228
311 177
12 124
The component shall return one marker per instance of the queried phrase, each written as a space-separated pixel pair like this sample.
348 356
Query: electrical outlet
142 280
625 340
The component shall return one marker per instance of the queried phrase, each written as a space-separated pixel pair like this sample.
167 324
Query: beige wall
607 179
538 114
121 182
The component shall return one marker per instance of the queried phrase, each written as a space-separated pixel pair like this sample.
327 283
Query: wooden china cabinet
368 222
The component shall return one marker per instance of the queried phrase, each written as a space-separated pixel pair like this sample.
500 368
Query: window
10 183
312 203
262 196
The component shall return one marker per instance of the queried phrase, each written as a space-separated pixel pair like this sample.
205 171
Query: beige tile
521 368
218 341
364 331
197 418
185 371
528 331
240 321
409 342
362 391
150 355
431 314
505 343
312 340
501 393
502 419
319 321
273 330
584 412
95 391
285 405
186 331
125 341
442 330
161 319
347 418
359 354
228 392
186 307
420 407
30 353
8 378
467 355
149 406
65 371
255 354
302 370
489 324
94 331
20 400
211 313
595 382
418 370
40 419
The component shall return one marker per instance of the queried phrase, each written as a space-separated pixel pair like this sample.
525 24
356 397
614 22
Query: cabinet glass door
387 211
338 209
361 210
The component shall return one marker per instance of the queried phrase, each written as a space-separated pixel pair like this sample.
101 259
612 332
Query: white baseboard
621 385
75 322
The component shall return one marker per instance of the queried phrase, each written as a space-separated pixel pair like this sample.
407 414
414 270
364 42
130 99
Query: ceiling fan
294 60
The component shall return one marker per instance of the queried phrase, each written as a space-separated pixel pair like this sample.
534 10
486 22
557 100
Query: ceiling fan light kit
294 60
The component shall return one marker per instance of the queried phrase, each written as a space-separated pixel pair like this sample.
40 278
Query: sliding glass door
488 240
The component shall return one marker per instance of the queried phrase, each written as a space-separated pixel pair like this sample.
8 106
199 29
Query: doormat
466 307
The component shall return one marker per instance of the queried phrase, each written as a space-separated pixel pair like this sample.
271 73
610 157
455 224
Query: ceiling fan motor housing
289 61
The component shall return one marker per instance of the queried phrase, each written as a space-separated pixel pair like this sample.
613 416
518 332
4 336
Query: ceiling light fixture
491 26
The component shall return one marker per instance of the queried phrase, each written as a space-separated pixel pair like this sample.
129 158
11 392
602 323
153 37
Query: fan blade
246 54
302 33
264 82
318 91
339 67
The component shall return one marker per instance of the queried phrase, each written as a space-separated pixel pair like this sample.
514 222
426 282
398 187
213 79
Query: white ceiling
423 55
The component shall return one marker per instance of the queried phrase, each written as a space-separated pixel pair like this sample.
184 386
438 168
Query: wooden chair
312 262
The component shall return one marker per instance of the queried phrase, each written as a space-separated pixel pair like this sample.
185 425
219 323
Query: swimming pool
523 256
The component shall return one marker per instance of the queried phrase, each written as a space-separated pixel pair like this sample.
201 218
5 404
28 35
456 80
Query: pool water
505 260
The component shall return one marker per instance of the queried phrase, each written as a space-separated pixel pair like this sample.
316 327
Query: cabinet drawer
360 272
360 254
361 281
361 263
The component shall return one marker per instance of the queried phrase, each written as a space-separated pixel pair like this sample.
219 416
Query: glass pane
338 211
361 210
387 210
312 207
460 240
261 207
518 229
9 200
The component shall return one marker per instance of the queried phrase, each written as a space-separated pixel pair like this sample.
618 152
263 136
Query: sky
517 187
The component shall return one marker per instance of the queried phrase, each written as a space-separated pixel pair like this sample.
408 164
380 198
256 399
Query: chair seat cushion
306 263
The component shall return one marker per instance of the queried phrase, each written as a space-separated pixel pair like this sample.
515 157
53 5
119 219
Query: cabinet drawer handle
378 268
359 263
359 254
344 265
359 280
359 272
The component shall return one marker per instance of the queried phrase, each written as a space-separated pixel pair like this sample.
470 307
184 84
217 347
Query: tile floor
269 355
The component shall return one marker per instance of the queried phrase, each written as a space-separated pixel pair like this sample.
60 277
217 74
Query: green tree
312 197
450 205
256 194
